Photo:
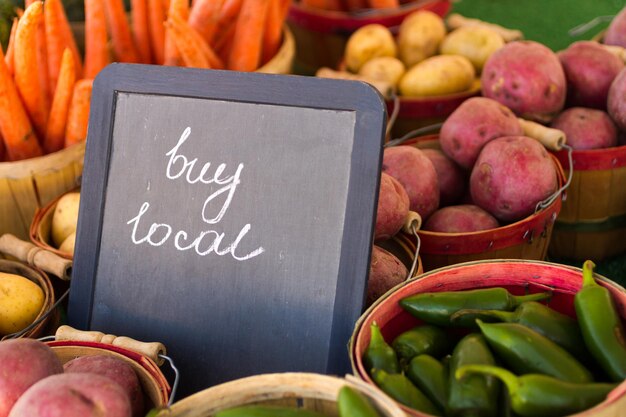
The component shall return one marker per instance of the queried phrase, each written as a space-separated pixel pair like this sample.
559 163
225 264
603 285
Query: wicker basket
403 248
525 239
592 223
518 276
321 35
142 357
48 324
299 390
32 183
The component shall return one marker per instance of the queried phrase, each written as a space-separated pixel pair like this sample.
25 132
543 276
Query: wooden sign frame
289 91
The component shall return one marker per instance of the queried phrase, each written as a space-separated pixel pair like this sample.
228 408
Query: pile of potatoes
64 222
425 59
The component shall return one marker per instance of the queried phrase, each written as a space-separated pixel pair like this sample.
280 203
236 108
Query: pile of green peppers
350 403
488 353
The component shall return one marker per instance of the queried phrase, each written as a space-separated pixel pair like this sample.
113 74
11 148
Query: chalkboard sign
228 215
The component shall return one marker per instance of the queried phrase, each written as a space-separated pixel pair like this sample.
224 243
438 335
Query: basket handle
456 21
153 350
35 256
552 139
376 394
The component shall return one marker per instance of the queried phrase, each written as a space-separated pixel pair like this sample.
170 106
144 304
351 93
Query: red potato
417 175
589 70
616 102
512 174
460 219
474 123
616 32
23 363
73 395
527 77
586 128
452 179
386 271
115 369
393 207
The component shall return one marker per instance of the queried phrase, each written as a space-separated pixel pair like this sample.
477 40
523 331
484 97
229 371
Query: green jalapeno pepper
525 351
424 339
536 395
379 354
561 329
352 403
401 389
477 395
437 307
431 377
267 411
600 325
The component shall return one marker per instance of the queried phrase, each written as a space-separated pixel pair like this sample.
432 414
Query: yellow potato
476 43
384 68
65 217
68 244
368 42
438 75
419 36
20 302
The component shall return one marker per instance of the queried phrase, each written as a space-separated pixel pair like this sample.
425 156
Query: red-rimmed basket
518 276
525 239
156 388
321 35
414 112
592 223
403 248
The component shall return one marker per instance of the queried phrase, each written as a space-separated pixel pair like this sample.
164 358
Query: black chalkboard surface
229 216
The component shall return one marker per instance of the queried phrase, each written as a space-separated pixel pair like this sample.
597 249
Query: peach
417 175
589 69
24 362
511 176
527 77
73 395
586 128
474 123
393 207
460 219
114 368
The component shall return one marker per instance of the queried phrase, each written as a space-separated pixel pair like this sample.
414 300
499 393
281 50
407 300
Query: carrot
156 17
96 49
58 37
245 53
274 28
229 11
383 4
178 8
188 45
27 3
141 30
55 133
214 61
226 24
78 115
17 132
11 48
204 16
42 62
119 30
224 42
27 67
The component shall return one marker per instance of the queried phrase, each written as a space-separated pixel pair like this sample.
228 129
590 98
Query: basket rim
44 282
52 162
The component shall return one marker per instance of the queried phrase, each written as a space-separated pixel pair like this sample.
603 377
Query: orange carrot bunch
45 83
350 5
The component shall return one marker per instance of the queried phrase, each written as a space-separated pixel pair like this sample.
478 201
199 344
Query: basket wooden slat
593 216
302 390
30 184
